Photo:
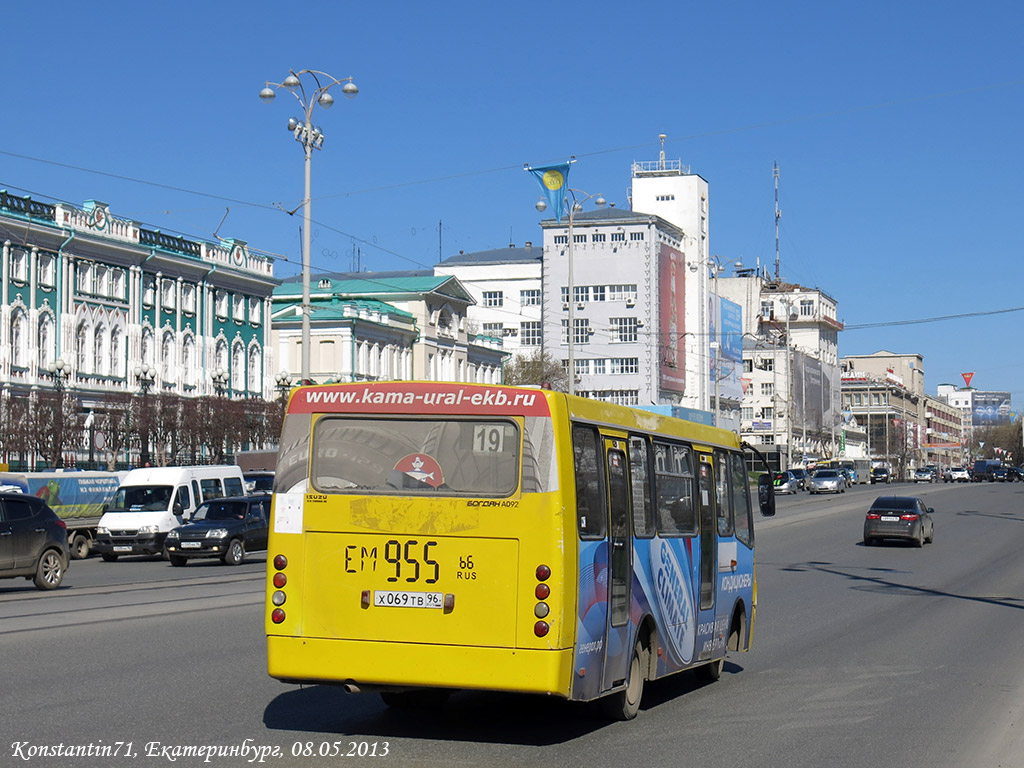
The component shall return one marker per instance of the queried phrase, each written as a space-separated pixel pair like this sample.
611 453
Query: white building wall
609 368
668 190
510 280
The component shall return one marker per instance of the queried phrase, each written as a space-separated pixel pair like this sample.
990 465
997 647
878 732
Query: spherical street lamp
310 137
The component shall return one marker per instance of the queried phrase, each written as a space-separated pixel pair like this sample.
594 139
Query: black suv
224 528
880 475
33 541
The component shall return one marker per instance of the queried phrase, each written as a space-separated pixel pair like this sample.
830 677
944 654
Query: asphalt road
863 656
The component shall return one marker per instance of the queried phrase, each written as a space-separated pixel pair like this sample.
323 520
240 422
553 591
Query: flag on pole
553 180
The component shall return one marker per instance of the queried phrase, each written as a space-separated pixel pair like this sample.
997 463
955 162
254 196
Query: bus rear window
378 455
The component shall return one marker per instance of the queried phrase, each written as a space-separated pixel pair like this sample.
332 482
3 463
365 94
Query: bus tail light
541 592
279 597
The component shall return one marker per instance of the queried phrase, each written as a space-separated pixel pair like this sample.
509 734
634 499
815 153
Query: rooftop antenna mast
661 155
778 213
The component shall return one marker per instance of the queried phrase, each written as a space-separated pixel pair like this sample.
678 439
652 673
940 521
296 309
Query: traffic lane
155 590
942 623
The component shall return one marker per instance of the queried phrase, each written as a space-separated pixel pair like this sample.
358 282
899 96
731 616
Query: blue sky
896 127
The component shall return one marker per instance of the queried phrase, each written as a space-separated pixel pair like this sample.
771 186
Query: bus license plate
385 599
890 519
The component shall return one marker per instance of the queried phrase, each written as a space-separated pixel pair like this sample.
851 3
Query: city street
863 656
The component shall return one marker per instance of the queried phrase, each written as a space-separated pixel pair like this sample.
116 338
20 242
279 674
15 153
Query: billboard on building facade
990 408
727 353
672 324
815 396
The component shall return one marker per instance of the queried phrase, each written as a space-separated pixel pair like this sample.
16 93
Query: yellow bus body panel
306 659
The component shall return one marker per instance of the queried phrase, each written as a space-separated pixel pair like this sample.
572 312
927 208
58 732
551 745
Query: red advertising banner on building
672 311
967 378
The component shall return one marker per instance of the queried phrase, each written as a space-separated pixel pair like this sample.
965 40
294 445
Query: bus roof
457 398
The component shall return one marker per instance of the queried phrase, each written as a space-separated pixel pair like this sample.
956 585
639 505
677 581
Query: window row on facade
599 237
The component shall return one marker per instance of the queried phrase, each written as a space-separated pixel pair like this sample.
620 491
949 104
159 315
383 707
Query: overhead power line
861 326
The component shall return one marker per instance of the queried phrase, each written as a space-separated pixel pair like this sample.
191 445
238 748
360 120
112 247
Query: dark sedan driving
899 517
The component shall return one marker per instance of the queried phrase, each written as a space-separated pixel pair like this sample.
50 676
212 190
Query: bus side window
741 499
723 493
640 480
676 507
590 512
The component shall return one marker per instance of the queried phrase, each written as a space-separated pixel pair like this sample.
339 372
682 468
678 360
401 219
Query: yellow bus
430 537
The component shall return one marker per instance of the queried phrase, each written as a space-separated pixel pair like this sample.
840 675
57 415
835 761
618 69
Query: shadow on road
468 716
885 586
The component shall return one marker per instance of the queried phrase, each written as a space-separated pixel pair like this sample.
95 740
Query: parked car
828 481
226 528
33 541
924 475
802 475
880 475
786 482
958 475
899 517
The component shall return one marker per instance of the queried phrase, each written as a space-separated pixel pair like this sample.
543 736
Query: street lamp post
573 206
284 385
220 381
59 370
310 137
145 376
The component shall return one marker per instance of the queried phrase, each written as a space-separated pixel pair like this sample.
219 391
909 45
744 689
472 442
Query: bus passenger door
619 645
708 556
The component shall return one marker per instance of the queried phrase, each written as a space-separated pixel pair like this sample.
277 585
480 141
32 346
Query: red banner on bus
419 397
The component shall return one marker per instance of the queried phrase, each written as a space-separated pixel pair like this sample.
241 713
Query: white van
152 501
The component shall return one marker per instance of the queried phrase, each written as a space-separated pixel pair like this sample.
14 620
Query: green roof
335 309
381 284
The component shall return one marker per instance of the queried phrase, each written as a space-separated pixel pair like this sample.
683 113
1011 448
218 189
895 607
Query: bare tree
538 369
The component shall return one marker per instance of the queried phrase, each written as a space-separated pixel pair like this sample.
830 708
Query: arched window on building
188 361
147 346
220 355
168 361
45 341
82 358
238 368
19 339
117 352
254 370
100 357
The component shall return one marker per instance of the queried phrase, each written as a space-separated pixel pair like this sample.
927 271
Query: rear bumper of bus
378 664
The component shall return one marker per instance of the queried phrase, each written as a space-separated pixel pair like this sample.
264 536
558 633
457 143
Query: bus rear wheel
624 704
